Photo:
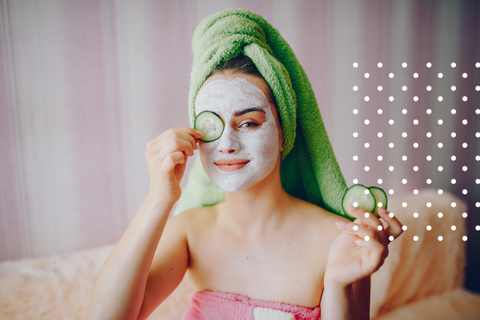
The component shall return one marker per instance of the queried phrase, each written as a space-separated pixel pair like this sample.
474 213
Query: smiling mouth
231 164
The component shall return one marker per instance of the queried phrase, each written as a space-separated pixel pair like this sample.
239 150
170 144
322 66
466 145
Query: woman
260 246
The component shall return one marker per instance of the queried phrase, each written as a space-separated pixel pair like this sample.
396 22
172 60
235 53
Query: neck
259 209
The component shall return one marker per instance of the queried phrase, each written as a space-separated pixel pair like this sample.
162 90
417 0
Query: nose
228 142
228 150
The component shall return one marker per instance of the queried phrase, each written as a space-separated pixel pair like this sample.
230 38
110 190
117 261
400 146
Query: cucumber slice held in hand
210 124
359 196
381 198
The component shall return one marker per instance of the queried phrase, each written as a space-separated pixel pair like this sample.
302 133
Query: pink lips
231 164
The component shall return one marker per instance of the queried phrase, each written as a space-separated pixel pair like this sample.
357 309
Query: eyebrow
240 112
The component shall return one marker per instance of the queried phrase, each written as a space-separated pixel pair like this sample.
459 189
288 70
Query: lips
231 164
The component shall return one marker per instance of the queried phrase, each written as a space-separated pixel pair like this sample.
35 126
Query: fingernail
352 208
199 133
382 210
358 241
340 223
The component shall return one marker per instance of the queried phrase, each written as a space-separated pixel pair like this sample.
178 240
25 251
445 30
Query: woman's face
250 145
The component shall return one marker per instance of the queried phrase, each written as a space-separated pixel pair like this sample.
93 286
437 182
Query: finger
394 226
172 160
359 230
366 218
189 138
376 252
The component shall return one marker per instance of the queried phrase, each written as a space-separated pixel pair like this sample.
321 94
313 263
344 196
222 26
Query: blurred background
85 84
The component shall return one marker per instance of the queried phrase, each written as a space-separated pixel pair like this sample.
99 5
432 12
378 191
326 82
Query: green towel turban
309 170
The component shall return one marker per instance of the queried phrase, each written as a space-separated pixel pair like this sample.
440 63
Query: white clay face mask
242 156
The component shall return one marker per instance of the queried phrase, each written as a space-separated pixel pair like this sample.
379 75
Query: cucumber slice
210 124
381 198
359 196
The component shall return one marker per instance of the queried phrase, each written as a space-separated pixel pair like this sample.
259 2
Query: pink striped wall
84 85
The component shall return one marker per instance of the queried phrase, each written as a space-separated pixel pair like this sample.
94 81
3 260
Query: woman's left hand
349 261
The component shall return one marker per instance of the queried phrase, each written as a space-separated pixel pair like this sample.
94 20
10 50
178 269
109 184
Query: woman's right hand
167 159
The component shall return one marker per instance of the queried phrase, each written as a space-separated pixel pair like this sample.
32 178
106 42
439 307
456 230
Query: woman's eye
249 125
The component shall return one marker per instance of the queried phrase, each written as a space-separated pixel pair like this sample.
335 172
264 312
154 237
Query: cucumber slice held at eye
210 124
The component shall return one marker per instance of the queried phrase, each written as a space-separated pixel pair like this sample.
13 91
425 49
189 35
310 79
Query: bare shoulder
194 220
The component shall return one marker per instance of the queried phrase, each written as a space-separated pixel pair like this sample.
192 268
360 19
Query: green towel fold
309 169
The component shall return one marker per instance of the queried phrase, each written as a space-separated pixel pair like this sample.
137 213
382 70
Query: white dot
477 88
379 181
367 168
415 192
415 168
404 111
391 75
477 158
453 158
464 75
464 121
453 134
429 111
464 238
391 192
477 181
391 168
367 238
391 98
464 98
477 64
379 134
440 215
391 121
367 98
367 121
440 191
440 75
355 64
429 158
440 238
429 134
464 191
404 64
415 98
415 145
404 88
355 111
429 65
379 111
379 88
429 227
477 204
355 158
453 204
367 75
440 145
440 121
380 228
355 181
440 168
404 134
355 88
429 181
404 181
477 111
355 134
415 121
429 88
464 215
404 158
453 88
379 64
404 204
453 111
453 181
367 145
391 145
429 204
453 228
453 64
440 98
464 145
464 168
477 134
379 158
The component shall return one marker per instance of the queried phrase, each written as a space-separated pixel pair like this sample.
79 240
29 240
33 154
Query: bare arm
122 286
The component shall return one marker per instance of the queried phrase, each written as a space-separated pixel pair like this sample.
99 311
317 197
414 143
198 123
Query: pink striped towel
215 305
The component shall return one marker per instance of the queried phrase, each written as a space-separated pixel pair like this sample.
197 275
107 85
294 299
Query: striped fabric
84 85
